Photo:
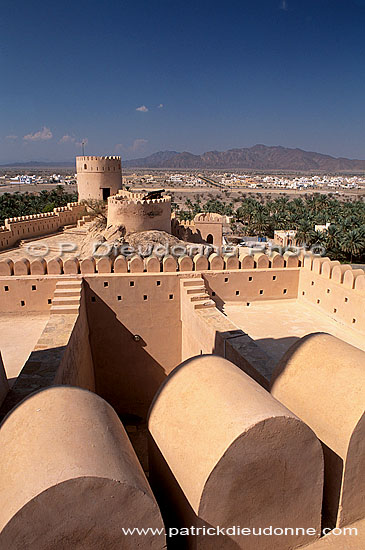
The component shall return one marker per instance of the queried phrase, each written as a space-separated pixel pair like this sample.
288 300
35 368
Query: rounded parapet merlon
214 436
68 472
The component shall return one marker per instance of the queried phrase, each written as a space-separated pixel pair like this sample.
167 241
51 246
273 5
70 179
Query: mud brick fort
192 390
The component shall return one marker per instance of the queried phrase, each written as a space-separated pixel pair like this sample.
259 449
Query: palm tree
304 232
353 243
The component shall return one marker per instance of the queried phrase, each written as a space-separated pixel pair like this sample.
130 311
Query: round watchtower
137 213
98 177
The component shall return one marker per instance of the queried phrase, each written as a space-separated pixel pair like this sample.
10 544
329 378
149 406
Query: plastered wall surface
129 370
26 227
338 301
137 214
97 173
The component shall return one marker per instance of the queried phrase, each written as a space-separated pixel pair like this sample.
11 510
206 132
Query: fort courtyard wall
205 227
335 289
28 227
130 331
142 313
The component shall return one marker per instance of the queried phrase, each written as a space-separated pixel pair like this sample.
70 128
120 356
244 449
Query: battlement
208 217
129 197
35 225
98 164
137 214
88 158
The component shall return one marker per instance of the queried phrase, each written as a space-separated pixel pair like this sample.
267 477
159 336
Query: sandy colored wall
70 478
34 292
96 173
240 459
197 232
76 367
207 330
62 355
336 299
139 215
275 284
26 227
195 262
322 380
129 372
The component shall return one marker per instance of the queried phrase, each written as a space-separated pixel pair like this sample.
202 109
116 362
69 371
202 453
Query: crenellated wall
136 214
27 227
152 264
337 290
98 177
206 227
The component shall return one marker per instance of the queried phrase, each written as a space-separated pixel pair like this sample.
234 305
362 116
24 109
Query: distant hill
259 157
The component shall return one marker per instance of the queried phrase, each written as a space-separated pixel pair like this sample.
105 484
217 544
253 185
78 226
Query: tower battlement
97 164
98 177
139 214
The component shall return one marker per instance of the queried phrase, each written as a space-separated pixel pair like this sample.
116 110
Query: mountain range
259 157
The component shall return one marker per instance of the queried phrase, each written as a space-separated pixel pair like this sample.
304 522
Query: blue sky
137 76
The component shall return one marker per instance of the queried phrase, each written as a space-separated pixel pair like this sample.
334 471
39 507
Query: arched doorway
210 238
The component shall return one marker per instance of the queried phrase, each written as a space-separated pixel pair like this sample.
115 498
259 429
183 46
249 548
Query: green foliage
344 240
17 204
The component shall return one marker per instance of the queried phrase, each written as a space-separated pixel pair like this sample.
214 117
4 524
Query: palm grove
17 204
344 239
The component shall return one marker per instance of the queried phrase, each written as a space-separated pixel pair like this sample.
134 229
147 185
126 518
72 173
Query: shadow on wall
333 471
276 347
126 375
181 514
241 350
219 302
38 373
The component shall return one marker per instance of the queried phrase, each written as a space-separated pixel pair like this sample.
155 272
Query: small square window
285 290
119 298
303 293
334 310
158 283
145 296
106 283
131 283
226 279
34 287
274 277
328 290
6 288
213 293
312 283
248 303
318 301
346 300
354 320
171 296
237 292
93 299
261 291
22 303
49 300
250 278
